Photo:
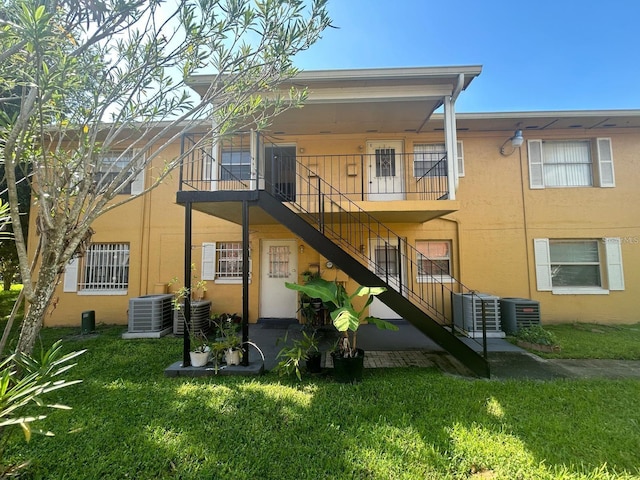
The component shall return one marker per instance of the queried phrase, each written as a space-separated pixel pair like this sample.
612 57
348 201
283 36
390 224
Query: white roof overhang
388 100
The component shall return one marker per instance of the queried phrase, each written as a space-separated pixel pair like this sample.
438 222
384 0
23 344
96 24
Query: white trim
70 282
99 293
536 170
613 255
208 262
137 184
543 264
579 291
434 279
606 173
229 281
460 159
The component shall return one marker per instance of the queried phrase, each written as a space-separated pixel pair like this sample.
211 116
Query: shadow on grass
131 421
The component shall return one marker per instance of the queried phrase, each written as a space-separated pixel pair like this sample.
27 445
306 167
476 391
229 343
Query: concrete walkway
408 347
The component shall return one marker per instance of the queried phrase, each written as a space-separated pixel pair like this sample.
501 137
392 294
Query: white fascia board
452 72
549 113
378 94
389 73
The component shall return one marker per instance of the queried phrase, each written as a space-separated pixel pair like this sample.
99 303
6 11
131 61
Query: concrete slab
599 368
523 365
177 370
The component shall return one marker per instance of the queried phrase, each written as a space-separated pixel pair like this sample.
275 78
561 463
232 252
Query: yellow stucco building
535 205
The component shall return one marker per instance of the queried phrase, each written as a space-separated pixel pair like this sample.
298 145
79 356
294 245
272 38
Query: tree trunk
6 282
37 309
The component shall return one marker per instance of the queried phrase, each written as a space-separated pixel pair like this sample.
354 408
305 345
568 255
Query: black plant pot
348 370
314 362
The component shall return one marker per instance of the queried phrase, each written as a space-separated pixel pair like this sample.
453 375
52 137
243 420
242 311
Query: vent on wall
519 313
149 316
467 314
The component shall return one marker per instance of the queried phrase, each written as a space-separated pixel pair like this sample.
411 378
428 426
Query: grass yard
129 421
589 340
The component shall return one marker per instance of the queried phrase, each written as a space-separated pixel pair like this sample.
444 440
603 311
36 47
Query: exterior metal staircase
337 228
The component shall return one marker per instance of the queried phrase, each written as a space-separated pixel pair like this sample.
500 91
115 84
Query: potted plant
311 308
232 350
200 308
305 348
229 342
348 359
200 350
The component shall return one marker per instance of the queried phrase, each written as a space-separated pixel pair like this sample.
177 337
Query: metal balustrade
329 204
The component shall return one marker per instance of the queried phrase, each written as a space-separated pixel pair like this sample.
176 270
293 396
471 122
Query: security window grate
105 267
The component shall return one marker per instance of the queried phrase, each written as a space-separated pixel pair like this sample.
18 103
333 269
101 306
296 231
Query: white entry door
385 259
278 264
386 170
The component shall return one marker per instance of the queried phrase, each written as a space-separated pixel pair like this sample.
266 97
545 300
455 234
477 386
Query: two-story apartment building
367 184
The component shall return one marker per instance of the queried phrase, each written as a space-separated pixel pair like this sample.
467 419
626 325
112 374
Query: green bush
536 335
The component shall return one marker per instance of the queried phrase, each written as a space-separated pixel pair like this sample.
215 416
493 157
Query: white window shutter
70 282
208 261
613 251
605 163
137 184
536 171
543 264
460 160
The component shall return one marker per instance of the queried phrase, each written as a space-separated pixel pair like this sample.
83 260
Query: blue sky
536 55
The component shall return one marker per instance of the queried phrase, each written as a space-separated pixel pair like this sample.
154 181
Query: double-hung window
235 164
102 270
579 265
434 260
111 164
430 160
222 262
570 163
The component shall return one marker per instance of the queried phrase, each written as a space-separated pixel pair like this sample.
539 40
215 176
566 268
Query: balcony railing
360 177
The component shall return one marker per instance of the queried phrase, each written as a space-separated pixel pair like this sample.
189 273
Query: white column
253 147
214 171
451 145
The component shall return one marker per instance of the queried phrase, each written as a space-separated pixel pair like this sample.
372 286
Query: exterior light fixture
516 142
301 248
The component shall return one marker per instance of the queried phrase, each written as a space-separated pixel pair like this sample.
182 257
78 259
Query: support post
245 281
451 143
186 344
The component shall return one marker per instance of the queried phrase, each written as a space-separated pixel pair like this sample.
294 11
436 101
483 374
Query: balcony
392 186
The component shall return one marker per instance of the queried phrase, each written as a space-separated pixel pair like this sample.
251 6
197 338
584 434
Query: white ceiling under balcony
388 100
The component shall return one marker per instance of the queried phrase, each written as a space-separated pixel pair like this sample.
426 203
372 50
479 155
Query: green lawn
129 421
589 340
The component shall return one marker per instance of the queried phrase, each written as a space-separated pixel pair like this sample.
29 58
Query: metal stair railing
199 165
402 267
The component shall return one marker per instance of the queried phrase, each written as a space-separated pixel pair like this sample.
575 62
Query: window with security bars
279 258
105 266
229 264
386 260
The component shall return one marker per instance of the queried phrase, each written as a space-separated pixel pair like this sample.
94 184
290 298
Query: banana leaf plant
345 318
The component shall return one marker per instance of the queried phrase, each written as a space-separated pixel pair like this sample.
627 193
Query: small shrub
536 335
